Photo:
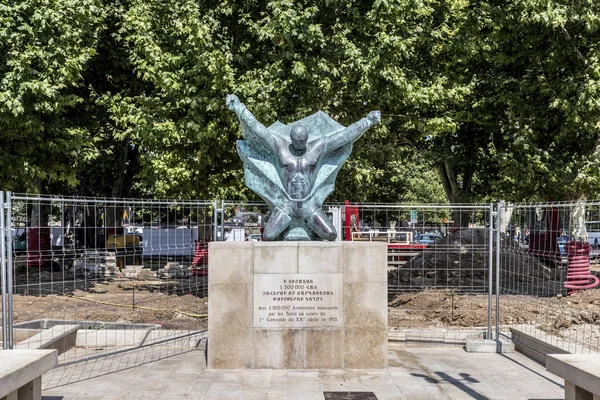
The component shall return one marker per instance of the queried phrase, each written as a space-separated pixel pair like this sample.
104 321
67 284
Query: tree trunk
39 212
117 185
454 192
505 215
578 231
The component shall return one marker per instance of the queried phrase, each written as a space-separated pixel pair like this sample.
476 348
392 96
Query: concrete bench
59 337
581 373
21 373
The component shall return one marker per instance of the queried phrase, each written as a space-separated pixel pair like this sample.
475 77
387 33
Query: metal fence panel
439 267
3 278
9 270
547 272
130 273
439 257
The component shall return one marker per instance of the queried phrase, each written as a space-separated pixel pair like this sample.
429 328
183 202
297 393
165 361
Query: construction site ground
183 304
533 294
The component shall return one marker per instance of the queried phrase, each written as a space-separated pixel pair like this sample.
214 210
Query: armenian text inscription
297 300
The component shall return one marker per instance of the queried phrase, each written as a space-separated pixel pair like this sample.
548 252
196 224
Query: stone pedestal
297 305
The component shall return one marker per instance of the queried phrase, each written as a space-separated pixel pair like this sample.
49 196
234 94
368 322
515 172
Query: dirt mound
466 236
559 315
461 260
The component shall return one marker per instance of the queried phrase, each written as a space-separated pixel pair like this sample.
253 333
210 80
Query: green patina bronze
293 168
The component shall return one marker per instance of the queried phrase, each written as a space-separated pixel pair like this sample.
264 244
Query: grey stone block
230 305
278 348
320 257
59 337
24 369
275 257
31 391
230 348
12 396
365 348
324 348
314 318
230 262
365 304
364 261
489 346
536 344
580 371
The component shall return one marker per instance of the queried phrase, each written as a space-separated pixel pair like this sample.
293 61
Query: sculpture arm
353 132
257 130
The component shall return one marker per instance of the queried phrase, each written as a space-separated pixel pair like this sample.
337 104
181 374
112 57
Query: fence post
498 222
222 220
9 270
490 269
3 274
215 220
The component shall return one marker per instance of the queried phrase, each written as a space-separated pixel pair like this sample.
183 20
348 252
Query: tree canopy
44 47
480 99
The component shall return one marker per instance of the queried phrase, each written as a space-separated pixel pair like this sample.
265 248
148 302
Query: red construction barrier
200 258
544 244
351 224
38 247
579 276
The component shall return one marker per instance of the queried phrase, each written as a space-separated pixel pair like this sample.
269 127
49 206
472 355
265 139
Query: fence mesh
438 268
127 273
548 268
131 274
438 260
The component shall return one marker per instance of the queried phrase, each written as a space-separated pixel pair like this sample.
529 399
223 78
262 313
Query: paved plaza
413 373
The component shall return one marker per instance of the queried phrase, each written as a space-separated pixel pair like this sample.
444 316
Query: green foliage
44 46
480 99
179 49
285 60
549 71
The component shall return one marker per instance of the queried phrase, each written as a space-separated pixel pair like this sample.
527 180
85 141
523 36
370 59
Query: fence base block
489 346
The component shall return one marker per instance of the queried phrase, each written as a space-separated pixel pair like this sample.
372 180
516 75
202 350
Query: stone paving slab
413 374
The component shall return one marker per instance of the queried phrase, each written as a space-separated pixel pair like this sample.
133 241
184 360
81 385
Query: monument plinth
297 305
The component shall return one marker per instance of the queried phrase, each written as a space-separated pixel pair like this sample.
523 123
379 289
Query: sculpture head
299 136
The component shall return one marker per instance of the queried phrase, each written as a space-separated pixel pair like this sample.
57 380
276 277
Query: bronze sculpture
293 168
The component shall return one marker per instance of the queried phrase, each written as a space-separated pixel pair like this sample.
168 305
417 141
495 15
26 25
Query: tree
109 79
529 128
549 75
500 99
285 60
44 47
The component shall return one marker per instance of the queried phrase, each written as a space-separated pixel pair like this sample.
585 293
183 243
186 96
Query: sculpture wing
328 168
260 172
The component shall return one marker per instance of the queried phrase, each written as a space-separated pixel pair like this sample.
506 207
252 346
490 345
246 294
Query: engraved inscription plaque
298 300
